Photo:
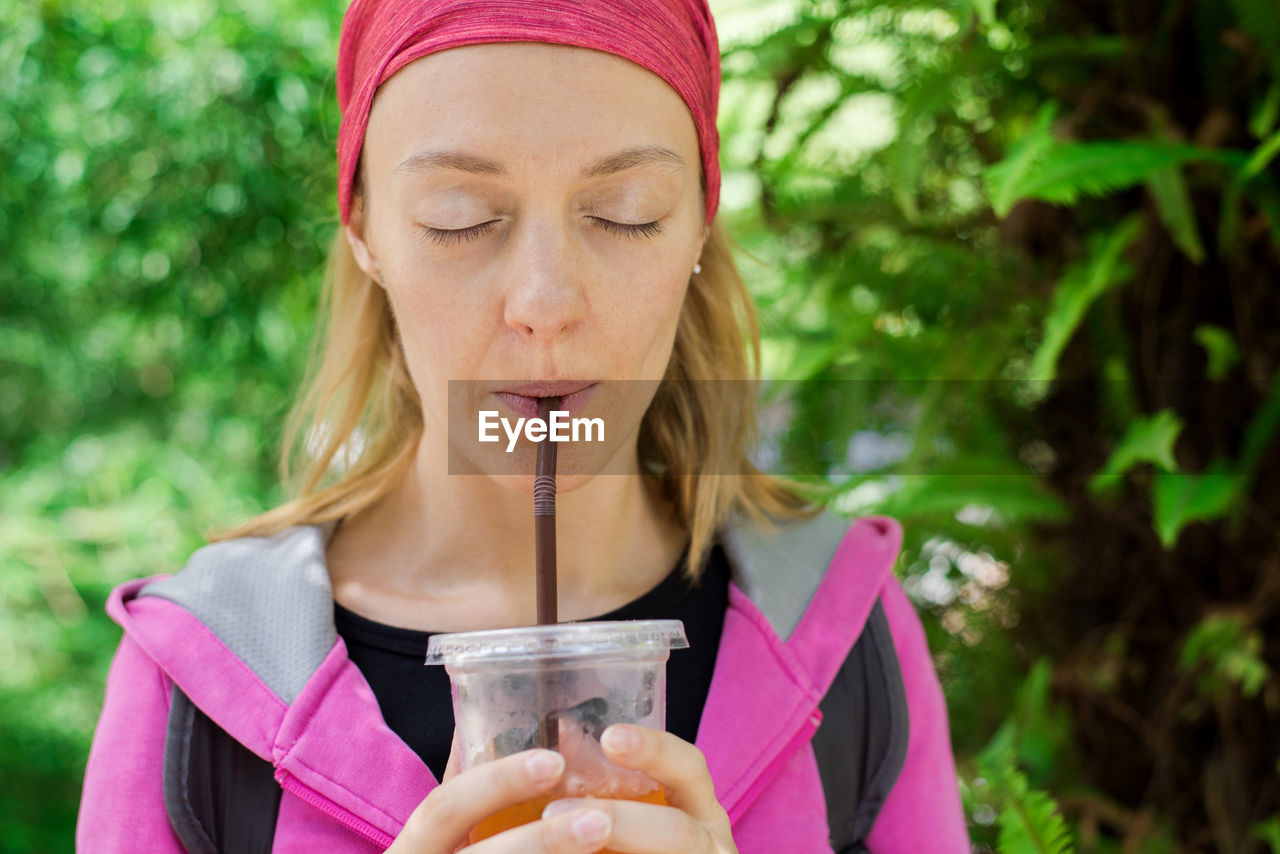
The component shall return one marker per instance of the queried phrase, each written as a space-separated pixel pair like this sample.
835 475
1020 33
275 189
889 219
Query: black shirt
415 699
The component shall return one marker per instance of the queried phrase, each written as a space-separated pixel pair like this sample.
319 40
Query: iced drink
510 686
532 811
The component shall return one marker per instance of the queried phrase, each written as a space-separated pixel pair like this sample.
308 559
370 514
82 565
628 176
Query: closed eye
454 236
643 229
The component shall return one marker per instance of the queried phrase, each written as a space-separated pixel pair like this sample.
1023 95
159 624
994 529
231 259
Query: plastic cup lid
562 640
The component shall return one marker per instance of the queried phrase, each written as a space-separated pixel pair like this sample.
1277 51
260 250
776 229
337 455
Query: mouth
523 399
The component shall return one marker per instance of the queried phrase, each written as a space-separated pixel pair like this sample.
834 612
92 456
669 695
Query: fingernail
591 827
621 739
544 765
562 806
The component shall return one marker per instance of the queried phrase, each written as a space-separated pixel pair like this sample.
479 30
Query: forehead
535 103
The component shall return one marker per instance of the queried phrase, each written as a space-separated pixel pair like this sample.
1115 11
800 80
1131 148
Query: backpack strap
268 600
861 744
219 795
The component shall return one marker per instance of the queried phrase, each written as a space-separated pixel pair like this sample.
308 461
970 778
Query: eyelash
454 236
643 229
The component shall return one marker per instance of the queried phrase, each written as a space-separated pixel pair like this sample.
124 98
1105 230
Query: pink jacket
350 783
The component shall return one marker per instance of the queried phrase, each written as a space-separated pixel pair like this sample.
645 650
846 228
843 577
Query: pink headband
675 39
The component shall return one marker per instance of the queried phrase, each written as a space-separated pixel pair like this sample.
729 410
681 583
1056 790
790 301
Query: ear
355 233
702 241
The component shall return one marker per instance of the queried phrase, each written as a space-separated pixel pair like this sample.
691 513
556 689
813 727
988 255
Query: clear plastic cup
560 686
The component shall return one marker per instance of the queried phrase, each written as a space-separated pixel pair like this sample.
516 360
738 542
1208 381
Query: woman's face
534 213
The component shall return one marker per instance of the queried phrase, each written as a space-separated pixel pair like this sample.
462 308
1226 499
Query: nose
546 297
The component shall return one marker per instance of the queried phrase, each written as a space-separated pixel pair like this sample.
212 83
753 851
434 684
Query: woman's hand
442 822
694 823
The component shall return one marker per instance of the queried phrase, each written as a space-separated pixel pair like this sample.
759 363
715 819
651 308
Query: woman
528 195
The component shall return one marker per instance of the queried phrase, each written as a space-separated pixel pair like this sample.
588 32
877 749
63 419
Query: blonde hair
357 421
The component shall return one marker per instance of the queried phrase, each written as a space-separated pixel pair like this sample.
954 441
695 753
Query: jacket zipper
295 787
798 740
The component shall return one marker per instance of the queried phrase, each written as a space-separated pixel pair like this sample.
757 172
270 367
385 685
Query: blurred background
1024 253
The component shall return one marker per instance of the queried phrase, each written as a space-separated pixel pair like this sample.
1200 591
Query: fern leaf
1265 116
1179 499
1065 172
1169 191
1004 179
1261 157
1080 285
1147 440
1031 824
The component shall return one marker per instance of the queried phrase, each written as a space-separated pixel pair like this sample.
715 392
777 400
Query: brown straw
544 518
544 544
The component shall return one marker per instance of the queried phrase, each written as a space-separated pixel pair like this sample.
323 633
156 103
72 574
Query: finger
640 828
453 767
449 812
577 832
669 759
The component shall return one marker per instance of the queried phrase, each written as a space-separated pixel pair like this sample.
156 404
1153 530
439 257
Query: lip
523 399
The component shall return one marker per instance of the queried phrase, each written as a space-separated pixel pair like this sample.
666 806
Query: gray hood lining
268 599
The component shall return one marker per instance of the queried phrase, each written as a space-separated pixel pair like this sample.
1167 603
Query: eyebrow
641 155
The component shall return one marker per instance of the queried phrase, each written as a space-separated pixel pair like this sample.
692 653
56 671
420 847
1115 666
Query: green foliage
1267 113
986 12
1262 429
1261 157
1040 167
1178 499
169 196
929 496
1036 731
1030 822
1181 498
1080 286
1269 832
1029 819
1006 180
1059 365
1229 654
1148 440
1220 347
166 204
1169 190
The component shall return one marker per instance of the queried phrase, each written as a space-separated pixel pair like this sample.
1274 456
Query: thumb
454 766
452 769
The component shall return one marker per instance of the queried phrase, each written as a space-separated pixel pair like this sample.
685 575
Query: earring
697 268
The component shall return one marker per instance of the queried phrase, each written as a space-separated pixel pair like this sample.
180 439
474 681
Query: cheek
645 310
442 328
645 282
